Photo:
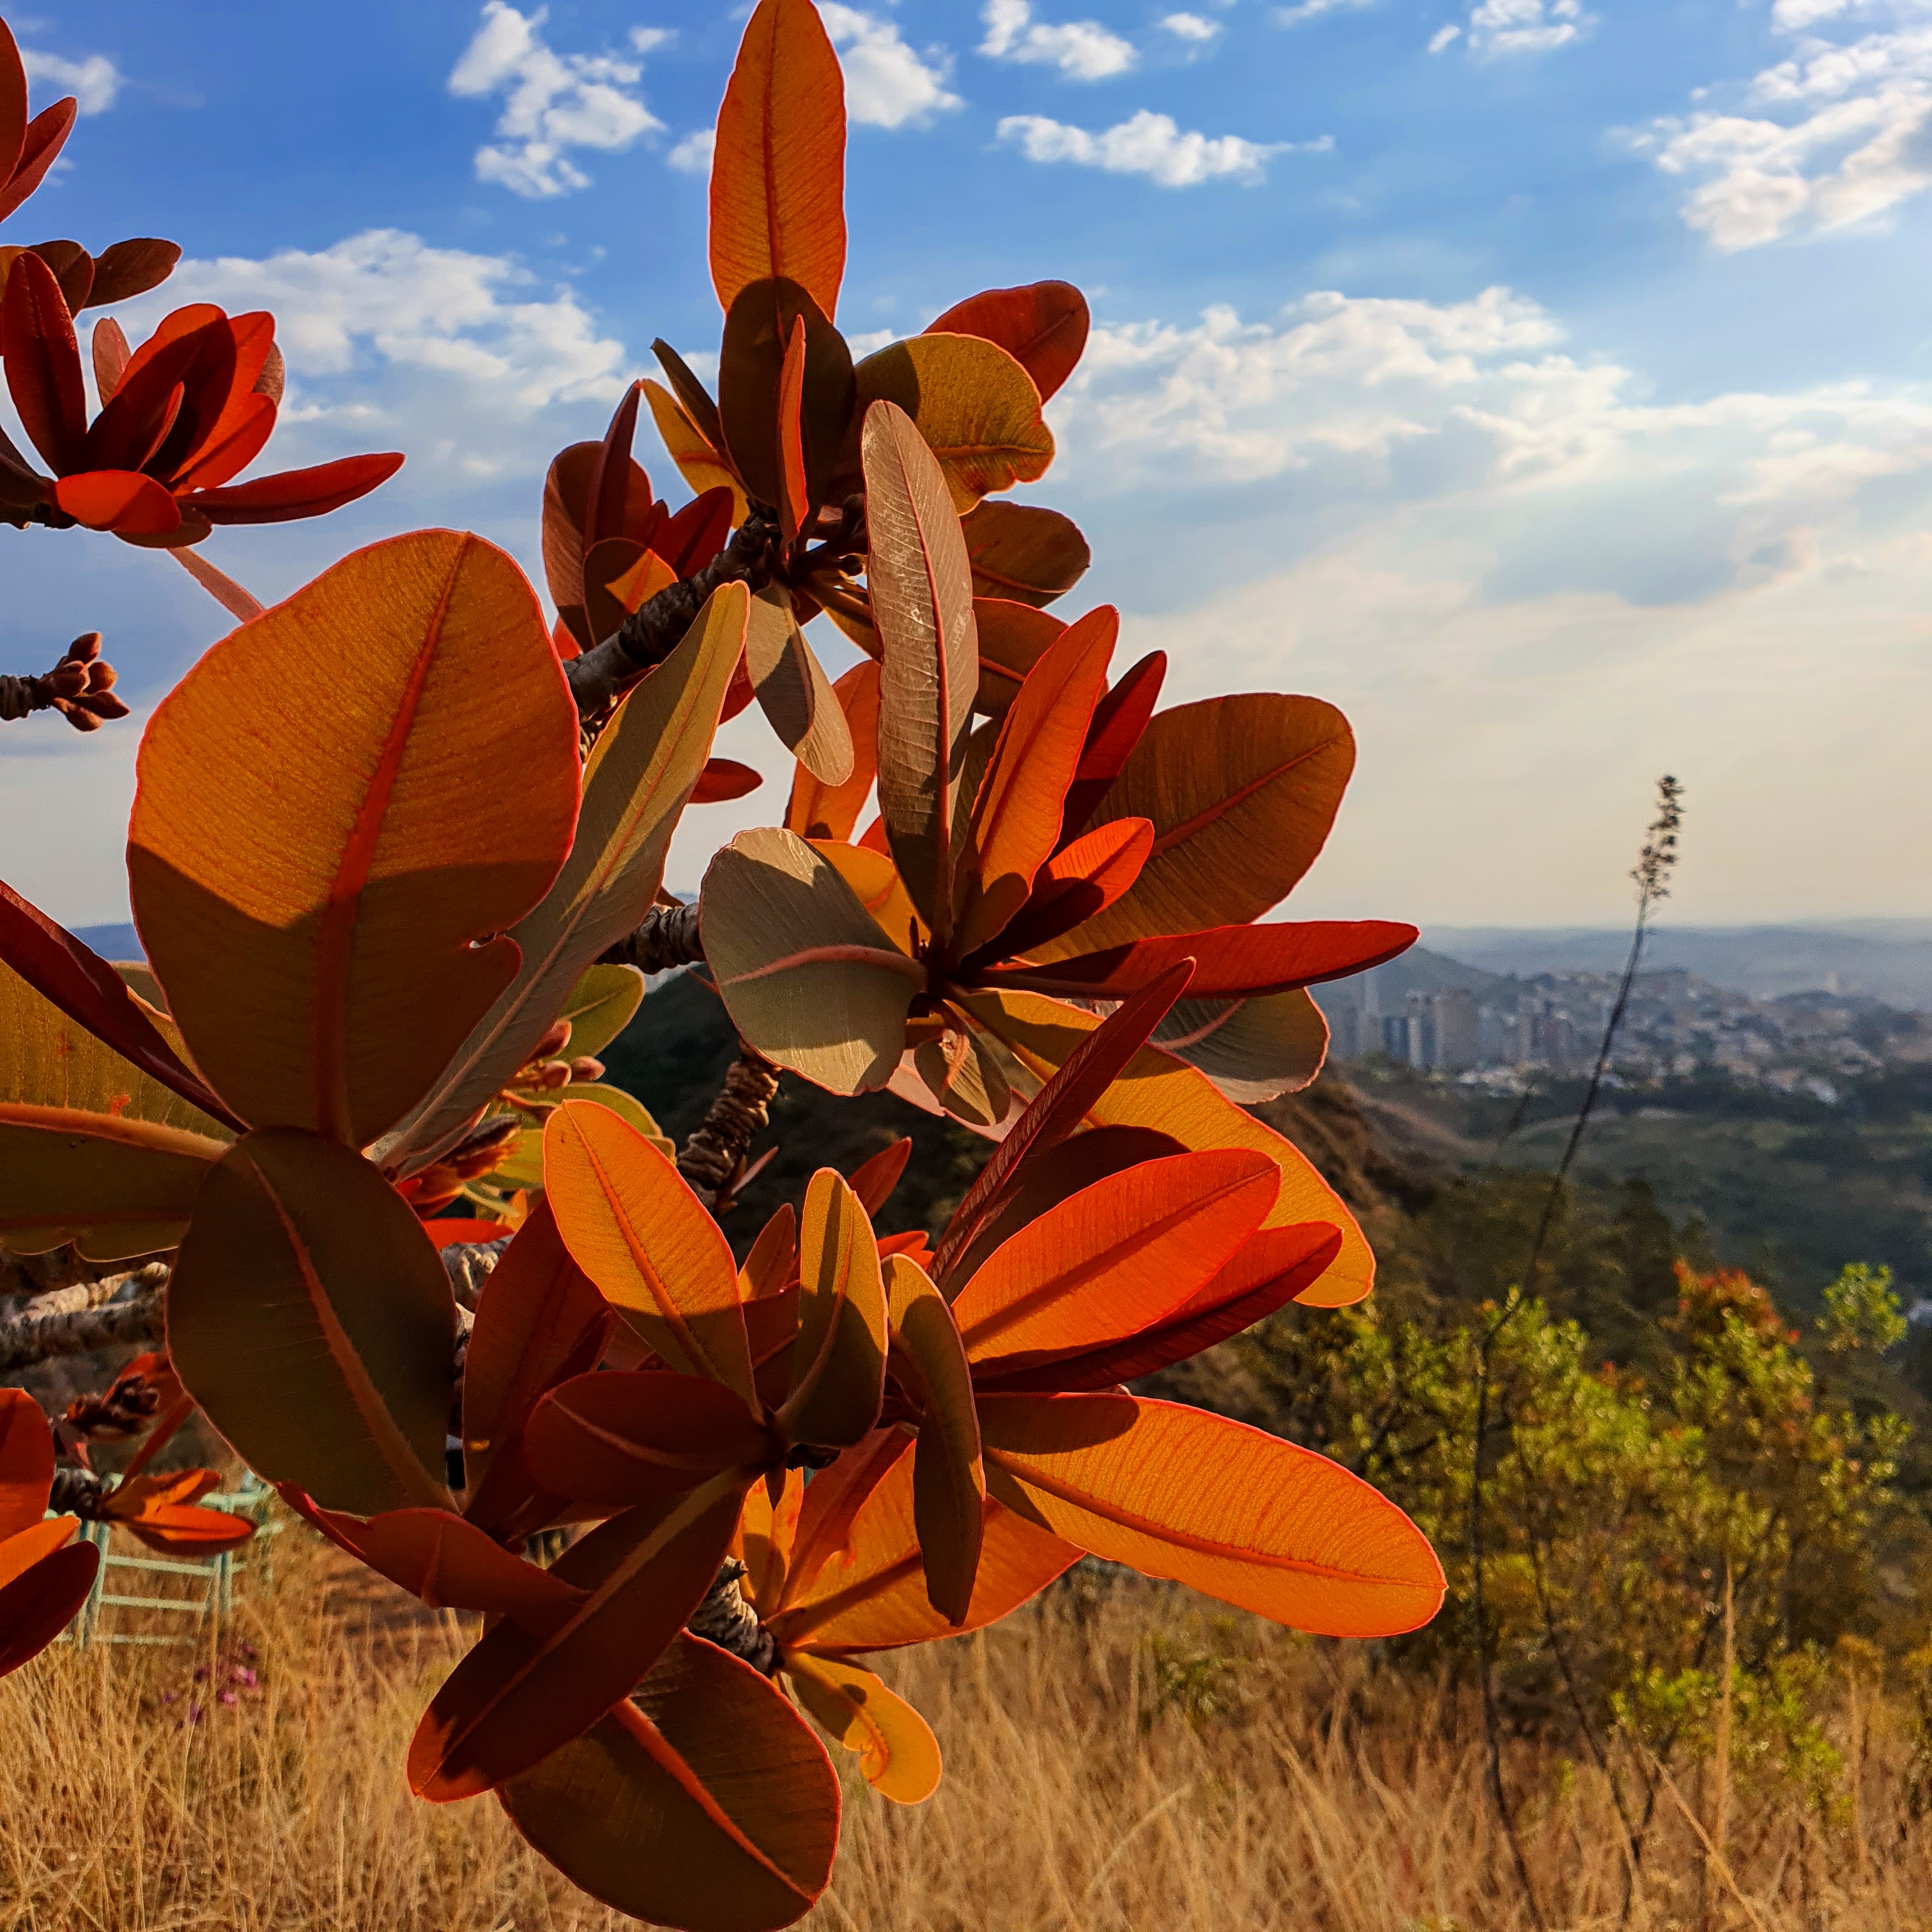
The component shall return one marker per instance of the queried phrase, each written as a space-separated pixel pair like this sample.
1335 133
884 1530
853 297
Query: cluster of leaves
375 876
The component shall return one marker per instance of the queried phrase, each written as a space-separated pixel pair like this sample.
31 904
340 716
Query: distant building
1458 1033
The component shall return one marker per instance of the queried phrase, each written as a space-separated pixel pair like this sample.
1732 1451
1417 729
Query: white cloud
1314 10
648 39
887 83
552 102
386 297
1082 49
94 82
1834 137
692 155
1501 28
1190 28
1154 145
1444 37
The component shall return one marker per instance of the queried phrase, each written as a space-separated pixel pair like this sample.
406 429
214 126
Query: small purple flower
225 1697
243 1676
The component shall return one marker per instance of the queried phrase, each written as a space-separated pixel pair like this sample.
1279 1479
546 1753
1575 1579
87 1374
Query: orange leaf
566 490
43 359
949 1483
539 1320
635 1227
621 1437
41 1602
1079 881
118 500
186 1530
778 172
1113 1259
518 1695
707 1802
46 135
1279 1265
897 1753
873 1596
1244 1516
320 911
723 779
309 1315
1078 1082
618 501
874 1179
1013 637
755 376
1155 1089
1016 812
110 354
1241 792
817 810
1023 552
1042 327
125 269
794 502
773 1257
1251 1049
838 1363
448 1563
21 1550
702 464
1120 722
26 1455
922 603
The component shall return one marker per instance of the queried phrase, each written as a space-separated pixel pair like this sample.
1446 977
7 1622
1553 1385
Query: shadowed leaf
1023 552
898 1754
1042 326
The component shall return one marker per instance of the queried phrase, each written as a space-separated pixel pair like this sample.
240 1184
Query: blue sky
1548 383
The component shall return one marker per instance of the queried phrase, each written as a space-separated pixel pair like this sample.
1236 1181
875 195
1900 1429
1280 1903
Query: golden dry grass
1127 1765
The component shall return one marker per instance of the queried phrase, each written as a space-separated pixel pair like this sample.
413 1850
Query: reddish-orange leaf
773 1257
694 535
1023 552
839 1363
1230 961
293 493
519 1695
46 135
692 397
871 1595
184 1530
635 1227
1114 1257
794 503
40 1603
760 342
1013 637
707 1803
723 779
948 1483
539 1320
73 270
451 1231
1016 813
12 105
778 171
874 1179
1176 1492
123 500
42 360
1119 720
620 492
1059 1109
22 1549
110 352
1079 881
618 1438
1277 1266
230 447
765 1531
833 1499
566 490
26 1457
817 810
448 1563
1042 326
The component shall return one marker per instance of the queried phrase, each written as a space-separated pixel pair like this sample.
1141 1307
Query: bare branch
31 1337
653 631
666 936
726 1619
714 1154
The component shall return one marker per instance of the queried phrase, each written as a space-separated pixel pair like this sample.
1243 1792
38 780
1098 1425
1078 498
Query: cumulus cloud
888 83
94 82
552 102
1080 49
1190 27
1833 137
385 299
1314 10
1153 144
692 155
1498 29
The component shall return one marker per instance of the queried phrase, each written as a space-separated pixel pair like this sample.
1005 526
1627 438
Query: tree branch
654 630
42 1332
726 1619
711 1155
666 936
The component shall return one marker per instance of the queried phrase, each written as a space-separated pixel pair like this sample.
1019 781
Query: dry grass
1123 1765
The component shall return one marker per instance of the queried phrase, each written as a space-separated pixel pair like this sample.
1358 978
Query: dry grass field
1123 1764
